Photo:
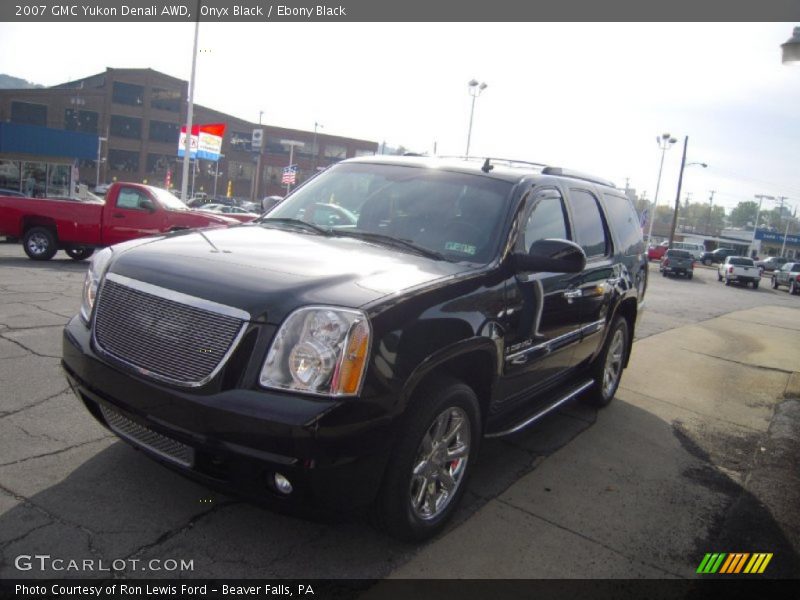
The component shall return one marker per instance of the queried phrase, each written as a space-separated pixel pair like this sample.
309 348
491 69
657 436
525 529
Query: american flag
289 175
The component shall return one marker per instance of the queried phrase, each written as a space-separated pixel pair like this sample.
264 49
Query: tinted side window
546 220
623 219
590 232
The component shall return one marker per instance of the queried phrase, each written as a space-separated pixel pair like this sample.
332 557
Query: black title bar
226 11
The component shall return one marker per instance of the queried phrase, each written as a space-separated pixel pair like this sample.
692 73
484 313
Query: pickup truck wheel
39 243
79 252
793 289
607 369
431 461
689 275
755 285
774 283
719 277
727 281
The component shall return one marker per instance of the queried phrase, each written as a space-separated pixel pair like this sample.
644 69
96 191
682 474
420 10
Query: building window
158 164
9 175
240 170
127 93
123 160
273 174
241 141
165 99
84 121
335 152
307 149
58 181
164 132
127 127
274 146
29 114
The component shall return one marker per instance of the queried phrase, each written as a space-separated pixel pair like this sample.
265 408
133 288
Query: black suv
717 256
354 345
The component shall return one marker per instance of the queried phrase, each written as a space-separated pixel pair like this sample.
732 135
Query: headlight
97 269
319 350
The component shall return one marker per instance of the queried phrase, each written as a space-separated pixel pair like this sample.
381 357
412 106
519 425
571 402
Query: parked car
677 262
788 275
657 252
270 202
130 210
695 249
13 193
350 365
717 256
773 263
739 269
234 212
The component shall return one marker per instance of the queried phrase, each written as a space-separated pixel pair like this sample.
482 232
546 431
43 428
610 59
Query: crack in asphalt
590 539
740 363
176 531
54 452
54 518
24 347
7 543
4 414
781 327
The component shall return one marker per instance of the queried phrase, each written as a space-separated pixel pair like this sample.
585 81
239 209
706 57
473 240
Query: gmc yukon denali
354 345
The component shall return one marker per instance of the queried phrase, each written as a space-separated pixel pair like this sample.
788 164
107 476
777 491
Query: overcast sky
590 96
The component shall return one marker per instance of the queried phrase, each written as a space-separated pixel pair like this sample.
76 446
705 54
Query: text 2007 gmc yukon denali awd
354 345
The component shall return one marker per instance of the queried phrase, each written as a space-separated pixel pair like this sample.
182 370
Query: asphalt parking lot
699 453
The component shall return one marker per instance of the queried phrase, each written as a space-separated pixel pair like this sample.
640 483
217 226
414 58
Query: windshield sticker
463 248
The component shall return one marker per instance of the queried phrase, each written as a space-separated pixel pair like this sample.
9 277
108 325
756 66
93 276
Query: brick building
139 113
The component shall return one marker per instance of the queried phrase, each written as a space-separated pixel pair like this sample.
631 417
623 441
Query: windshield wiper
391 241
295 223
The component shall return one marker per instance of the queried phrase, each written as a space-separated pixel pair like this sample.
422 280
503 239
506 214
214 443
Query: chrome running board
532 419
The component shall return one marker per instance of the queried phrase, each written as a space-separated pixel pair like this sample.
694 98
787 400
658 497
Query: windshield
678 254
168 200
456 215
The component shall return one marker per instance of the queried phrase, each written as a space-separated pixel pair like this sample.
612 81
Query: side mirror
147 205
552 256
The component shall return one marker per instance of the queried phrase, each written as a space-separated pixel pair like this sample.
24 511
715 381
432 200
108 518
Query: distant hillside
7 82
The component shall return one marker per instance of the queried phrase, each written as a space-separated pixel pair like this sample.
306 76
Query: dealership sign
206 141
769 236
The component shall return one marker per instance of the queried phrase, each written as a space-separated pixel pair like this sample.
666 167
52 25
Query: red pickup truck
130 210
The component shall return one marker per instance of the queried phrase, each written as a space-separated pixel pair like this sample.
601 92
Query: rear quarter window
679 254
742 262
624 222
589 228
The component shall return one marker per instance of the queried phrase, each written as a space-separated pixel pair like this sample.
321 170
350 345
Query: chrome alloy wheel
38 244
613 366
440 464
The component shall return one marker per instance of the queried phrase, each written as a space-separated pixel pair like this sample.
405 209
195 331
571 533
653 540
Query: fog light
282 484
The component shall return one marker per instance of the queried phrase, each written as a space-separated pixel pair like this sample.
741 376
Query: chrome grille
142 436
163 337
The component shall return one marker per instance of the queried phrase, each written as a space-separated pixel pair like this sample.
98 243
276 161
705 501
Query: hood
270 272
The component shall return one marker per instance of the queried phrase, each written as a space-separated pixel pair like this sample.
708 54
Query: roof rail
508 162
576 175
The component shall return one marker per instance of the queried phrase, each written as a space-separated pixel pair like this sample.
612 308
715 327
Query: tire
39 243
774 283
612 357
793 289
719 277
664 273
79 252
689 276
727 281
406 505
755 285
707 262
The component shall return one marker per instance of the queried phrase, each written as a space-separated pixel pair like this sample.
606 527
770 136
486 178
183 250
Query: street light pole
187 145
475 88
684 164
100 141
314 148
664 142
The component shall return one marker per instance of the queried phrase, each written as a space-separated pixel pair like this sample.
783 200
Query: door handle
118 216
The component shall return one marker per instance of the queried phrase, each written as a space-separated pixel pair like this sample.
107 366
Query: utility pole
761 198
710 204
678 194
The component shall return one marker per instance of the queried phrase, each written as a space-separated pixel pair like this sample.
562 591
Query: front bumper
333 452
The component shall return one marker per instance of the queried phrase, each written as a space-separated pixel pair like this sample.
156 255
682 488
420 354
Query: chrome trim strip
201 303
556 342
176 297
594 327
543 412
